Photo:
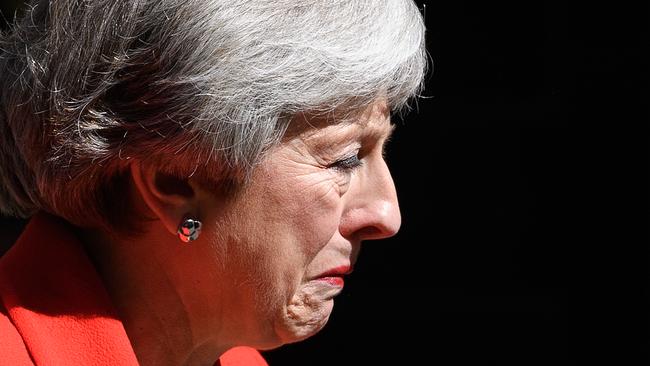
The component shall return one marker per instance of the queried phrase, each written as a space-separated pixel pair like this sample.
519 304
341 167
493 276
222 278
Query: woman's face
282 245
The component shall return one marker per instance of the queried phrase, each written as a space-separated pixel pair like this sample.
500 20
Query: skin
254 276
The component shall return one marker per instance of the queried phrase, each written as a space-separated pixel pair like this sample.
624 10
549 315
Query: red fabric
55 309
12 347
241 356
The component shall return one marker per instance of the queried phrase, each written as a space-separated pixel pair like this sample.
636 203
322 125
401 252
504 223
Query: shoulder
241 356
12 347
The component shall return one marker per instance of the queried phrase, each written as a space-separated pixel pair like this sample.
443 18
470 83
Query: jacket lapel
57 301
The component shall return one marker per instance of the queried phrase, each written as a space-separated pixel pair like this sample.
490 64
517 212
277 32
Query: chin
307 312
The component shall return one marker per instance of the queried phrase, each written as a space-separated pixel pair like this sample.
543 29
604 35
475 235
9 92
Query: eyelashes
348 164
352 162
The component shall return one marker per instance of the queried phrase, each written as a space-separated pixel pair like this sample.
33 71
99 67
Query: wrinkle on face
304 173
284 231
307 313
309 156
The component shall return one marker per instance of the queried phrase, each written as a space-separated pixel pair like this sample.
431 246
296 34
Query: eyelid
347 164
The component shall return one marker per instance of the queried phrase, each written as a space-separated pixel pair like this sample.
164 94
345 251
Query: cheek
276 239
316 214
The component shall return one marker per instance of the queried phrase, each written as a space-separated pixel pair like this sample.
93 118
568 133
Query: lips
338 271
333 280
334 276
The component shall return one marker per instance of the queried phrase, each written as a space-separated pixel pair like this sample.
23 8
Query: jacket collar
57 301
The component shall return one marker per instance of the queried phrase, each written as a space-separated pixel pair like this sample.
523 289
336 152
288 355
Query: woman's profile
199 175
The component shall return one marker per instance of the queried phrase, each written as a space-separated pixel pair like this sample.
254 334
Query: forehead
373 121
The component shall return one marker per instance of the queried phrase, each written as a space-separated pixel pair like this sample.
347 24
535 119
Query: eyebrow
380 133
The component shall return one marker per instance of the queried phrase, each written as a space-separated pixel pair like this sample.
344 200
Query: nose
373 209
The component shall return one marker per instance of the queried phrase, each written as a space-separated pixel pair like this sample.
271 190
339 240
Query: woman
200 174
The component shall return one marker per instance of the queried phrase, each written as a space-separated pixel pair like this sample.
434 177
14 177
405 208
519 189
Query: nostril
370 232
375 232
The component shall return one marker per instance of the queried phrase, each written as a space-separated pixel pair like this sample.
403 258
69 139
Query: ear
168 197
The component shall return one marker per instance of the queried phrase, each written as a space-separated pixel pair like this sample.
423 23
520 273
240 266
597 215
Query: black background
522 179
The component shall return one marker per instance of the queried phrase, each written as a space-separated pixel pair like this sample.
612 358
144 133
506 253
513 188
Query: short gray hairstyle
199 87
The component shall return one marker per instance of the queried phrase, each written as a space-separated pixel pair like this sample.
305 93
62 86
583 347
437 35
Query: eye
348 164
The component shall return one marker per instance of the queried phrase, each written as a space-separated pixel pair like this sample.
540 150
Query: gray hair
195 86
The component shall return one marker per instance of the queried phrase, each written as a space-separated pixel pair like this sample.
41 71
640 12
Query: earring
189 230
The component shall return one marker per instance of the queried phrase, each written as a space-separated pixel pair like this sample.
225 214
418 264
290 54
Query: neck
150 302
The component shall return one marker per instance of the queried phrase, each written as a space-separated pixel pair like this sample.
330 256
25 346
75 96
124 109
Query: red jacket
54 309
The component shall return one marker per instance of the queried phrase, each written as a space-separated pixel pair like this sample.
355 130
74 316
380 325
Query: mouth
334 276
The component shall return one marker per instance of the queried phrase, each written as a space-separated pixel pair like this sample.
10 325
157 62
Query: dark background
522 180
